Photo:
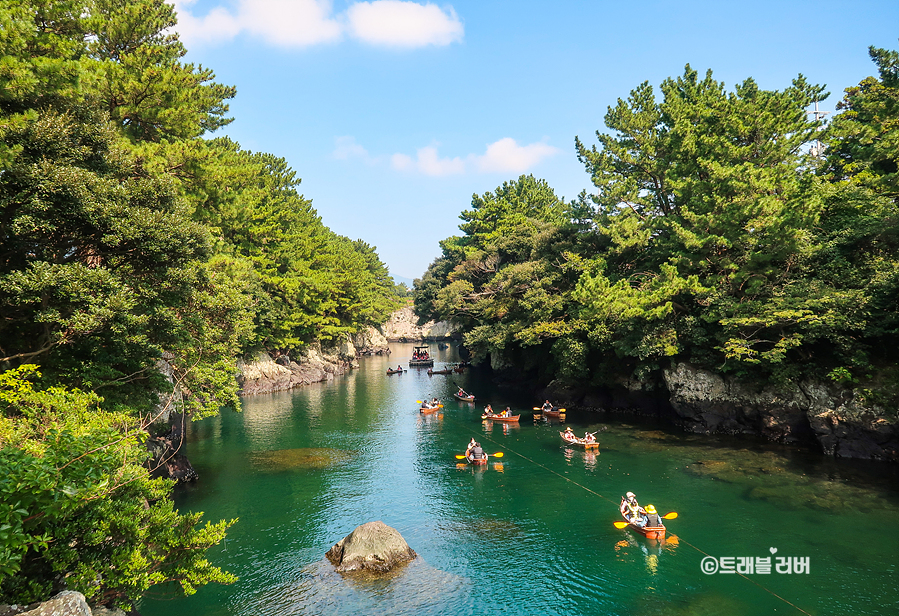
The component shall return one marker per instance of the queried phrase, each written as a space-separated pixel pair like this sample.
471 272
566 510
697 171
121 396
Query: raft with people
500 417
587 442
421 357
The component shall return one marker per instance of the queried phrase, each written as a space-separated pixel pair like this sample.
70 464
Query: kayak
650 532
498 418
573 440
426 410
481 462
554 414
395 371
446 371
464 398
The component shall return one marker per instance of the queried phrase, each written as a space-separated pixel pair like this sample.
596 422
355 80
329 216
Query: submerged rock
373 546
305 457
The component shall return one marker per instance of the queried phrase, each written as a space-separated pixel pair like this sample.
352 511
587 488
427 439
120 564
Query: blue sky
394 113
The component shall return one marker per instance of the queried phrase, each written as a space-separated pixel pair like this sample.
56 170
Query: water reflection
507 426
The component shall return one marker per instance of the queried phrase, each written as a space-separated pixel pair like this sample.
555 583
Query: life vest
477 453
632 509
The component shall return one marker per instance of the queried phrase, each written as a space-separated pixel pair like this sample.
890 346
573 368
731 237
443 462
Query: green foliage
307 282
127 238
713 237
863 140
76 504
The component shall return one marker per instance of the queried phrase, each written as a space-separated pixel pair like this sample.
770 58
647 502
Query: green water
534 534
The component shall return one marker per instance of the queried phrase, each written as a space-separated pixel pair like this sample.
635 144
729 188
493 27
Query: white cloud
403 24
290 23
506 155
428 162
217 25
346 148
301 23
401 162
503 156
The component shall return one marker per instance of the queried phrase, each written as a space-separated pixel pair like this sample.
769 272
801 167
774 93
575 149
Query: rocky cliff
316 363
403 327
835 417
814 413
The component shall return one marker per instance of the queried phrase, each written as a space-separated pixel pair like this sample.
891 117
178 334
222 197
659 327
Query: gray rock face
66 603
835 417
374 546
370 341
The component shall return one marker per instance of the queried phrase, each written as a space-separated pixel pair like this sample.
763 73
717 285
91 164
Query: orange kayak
650 532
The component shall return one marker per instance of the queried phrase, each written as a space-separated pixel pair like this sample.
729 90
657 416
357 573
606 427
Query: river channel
533 532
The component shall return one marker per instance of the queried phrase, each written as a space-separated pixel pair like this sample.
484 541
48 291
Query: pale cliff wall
402 327
316 363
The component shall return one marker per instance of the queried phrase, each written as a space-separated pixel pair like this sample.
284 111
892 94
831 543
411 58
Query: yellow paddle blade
498 454
460 457
537 408
670 516
420 401
561 410
619 524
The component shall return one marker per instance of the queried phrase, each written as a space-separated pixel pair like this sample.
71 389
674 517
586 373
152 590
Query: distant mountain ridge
402 280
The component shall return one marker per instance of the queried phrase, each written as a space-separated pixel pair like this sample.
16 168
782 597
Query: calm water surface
533 534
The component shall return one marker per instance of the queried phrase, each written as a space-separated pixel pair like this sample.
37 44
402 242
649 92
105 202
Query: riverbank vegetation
127 235
718 233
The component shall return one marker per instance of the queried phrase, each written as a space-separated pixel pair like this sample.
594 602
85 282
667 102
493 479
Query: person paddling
477 453
652 517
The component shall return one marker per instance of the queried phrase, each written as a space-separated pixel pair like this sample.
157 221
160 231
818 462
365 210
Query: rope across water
467 427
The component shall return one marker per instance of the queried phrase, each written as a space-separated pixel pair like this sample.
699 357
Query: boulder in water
373 546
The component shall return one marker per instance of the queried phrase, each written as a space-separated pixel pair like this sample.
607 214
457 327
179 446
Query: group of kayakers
432 404
641 517
419 355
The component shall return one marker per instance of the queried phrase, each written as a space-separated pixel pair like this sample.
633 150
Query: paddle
498 454
667 516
